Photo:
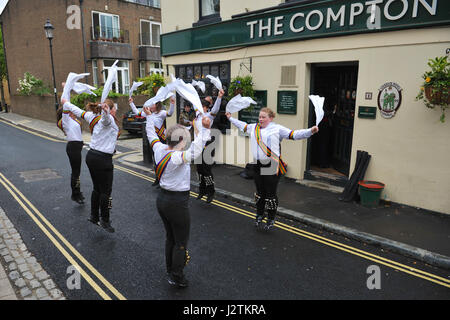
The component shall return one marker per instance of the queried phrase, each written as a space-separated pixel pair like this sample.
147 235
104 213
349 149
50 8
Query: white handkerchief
318 107
215 81
80 87
112 77
134 87
199 84
72 78
238 103
162 94
188 92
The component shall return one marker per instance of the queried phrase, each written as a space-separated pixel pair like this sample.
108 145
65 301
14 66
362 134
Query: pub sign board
367 112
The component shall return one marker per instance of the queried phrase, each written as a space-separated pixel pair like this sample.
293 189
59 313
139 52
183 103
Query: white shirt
272 135
71 127
211 115
177 175
158 118
103 128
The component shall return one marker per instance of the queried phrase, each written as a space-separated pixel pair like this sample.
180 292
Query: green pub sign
251 114
367 112
287 102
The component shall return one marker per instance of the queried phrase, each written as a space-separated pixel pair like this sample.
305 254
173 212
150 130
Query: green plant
80 100
30 85
436 87
242 86
151 84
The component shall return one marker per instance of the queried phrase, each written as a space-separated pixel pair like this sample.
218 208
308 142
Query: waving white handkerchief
162 94
112 77
199 84
188 92
215 81
134 87
238 103
80 87
72 78
318 107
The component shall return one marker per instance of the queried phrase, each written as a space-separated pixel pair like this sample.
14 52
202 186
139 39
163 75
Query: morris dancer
204 169
159 116
266 137
174 173
105 131
71 126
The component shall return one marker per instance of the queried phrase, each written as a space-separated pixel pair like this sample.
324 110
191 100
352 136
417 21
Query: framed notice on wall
251 114
287 102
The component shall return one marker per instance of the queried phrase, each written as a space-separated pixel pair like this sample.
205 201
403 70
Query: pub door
329 151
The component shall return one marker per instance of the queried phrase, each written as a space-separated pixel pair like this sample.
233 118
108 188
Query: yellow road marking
32 132
340 246
5 183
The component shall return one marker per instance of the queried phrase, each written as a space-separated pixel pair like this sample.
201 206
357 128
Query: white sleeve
171 110
241 125
194 151
215 110
135 110
286 133
79 113
106 119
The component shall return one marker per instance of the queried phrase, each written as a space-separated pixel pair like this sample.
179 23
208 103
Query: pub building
366 58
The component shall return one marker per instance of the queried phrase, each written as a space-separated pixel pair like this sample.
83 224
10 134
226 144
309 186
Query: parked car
133 123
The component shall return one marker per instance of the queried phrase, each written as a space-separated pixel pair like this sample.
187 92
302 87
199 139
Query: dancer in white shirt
105 131
159 117
71 126
204 169
265 141
174 173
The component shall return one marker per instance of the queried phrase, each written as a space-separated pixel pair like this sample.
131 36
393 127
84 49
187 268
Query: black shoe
200 195
107 226
210 198
258 221
269 225
155 183
177 281
77 199
94 220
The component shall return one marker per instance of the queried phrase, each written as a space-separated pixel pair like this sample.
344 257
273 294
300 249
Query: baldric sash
282 166
160 132
162 165
94 122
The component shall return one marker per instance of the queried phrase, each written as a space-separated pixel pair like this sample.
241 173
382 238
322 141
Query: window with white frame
150 32
142 69
156 67
95 73
122 84
105 25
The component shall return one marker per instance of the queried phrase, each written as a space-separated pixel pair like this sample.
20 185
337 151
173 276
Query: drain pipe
84 42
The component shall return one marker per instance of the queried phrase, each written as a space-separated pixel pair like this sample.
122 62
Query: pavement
417 233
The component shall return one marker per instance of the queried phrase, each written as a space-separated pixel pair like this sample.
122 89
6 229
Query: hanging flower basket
437 97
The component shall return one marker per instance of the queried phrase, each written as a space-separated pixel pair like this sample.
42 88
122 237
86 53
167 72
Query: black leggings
73 151
173 207
101 169
266 191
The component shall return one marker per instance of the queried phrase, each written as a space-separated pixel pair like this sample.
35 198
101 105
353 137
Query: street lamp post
48 27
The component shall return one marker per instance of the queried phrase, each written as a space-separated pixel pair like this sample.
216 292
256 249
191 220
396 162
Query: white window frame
99 20
150 31
142 65
95 73
125 85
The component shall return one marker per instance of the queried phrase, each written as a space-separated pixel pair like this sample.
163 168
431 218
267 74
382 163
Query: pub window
209 12
199 72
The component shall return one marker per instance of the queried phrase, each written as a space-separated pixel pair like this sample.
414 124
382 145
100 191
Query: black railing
110 34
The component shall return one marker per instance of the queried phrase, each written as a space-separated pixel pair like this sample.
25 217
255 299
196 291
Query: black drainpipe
84 42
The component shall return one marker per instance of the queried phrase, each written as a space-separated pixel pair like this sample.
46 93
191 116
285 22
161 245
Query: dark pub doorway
329 151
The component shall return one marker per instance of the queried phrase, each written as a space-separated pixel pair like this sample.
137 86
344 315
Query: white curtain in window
210 7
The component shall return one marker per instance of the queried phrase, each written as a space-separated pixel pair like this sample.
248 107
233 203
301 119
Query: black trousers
73 150
173 208
101 169
205 175
266 191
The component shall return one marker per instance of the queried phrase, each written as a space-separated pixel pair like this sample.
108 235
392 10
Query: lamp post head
48 27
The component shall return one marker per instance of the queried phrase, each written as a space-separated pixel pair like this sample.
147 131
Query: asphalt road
230 260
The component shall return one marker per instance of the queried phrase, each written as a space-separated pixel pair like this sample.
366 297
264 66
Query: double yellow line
58 240
328 242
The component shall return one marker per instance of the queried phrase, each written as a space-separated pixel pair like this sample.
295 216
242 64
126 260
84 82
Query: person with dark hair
159 116
71 126
204 168
187 117
174 173
265 141
104 128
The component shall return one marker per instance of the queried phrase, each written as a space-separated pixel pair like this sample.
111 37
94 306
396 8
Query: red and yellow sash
94 122
162 165
282 166
59 124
